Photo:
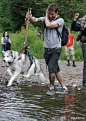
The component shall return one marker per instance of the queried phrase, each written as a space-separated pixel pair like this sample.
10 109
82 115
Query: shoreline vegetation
36 44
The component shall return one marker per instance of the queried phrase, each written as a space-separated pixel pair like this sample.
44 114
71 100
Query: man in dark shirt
77 26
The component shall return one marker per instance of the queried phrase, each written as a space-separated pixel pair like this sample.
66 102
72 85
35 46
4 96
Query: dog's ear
11 52
3 52
14 54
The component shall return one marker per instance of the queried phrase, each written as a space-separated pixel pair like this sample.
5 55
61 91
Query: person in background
52 45
70 47
4 39
78 39
38 33
37 30
80 26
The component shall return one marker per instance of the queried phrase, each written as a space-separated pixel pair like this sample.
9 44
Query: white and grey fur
20 63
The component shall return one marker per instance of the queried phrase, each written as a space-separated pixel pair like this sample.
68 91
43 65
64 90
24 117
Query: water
30 103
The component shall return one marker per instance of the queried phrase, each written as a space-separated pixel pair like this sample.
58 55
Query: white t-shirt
51 37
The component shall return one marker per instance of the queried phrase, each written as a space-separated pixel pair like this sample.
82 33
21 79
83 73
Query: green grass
36 45
18 39
77 50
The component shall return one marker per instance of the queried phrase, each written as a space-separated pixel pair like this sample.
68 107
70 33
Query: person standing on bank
70 47
81 26
52 45
4 39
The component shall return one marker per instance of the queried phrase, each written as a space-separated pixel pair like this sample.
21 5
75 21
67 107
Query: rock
74 86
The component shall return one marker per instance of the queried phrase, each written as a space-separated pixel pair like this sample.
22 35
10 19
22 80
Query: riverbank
72 75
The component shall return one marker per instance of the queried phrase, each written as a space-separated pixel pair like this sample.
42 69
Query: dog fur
20 63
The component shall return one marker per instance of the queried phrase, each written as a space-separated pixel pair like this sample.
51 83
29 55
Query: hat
82 23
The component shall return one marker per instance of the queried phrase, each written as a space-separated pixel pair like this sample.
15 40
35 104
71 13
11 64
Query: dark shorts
51 59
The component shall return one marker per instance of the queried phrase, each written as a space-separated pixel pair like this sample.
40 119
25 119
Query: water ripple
28 103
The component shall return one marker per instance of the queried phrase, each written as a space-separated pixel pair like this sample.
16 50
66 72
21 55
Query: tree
14 11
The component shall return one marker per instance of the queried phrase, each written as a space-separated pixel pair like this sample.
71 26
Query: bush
5 24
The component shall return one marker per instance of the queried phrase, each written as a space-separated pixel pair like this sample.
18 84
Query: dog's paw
24 76
9 84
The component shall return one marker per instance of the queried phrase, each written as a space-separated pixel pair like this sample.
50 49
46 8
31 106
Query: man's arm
50 24
33 19
74 25
73 42
76 16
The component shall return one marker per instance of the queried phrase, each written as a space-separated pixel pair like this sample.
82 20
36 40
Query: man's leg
52 80
67 55
73 58
72 54
68 60
84 66
53 68
84 74
60 79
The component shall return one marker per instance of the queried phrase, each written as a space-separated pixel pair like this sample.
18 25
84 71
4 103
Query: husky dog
20 63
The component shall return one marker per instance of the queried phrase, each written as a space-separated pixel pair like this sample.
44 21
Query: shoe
50 92
62 91
68 64
74 65
84 85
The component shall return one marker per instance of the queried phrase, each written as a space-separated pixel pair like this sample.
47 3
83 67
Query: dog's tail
39 72
37 66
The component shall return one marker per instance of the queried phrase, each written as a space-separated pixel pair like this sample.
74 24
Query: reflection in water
69 105
30 103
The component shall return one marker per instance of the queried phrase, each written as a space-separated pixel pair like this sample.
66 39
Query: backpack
7 46
65 33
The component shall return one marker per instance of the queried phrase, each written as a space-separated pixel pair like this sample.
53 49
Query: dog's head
8 56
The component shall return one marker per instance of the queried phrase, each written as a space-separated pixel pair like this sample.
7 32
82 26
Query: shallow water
30 103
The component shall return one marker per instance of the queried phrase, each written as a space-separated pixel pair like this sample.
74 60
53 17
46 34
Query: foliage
36 44
18 39
15 11
12 19
5 24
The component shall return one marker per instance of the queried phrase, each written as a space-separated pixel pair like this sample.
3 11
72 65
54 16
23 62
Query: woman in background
4 39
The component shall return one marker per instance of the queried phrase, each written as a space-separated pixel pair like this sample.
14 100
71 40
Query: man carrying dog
81 26
52 45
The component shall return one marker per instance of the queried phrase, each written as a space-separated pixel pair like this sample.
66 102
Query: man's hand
76 16
46 13
28 15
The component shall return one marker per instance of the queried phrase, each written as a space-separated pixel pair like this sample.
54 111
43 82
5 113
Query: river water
30 103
